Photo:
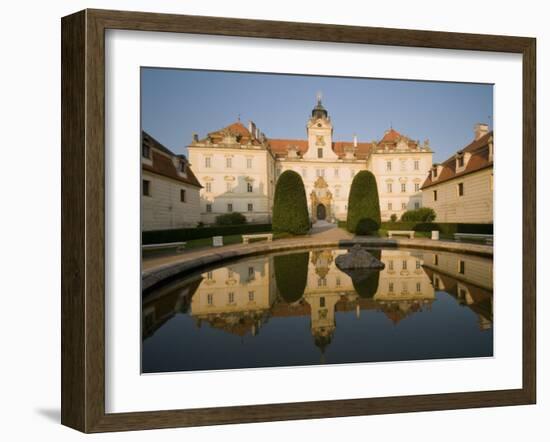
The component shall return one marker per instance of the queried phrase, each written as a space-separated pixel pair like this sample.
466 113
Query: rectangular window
461 266
250 207
403 187
251 296
251 272
338 282
390 287
416 187
436 260
322 301
460 161
435 195
388 165
209 275
460 189
418 287
208 187
416 165
321 172
404 265
434 172
228 162
389 188
249 187
320 152
231 297
209 208
417 264
207 162
230 207
210 298
390 206
146 188
249 163
336 172
390 264
182 195
417 205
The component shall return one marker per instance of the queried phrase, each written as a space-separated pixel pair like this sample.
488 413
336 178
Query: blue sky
176 103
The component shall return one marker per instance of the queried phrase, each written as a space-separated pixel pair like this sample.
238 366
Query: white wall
30 225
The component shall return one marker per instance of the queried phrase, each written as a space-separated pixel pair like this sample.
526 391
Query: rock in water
358 258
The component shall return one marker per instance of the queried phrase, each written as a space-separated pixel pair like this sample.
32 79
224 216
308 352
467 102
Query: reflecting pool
298 308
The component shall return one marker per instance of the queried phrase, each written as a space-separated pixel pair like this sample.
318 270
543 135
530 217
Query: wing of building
170 190
461 188
238 167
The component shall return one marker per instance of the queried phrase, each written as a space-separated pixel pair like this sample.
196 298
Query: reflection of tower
323 321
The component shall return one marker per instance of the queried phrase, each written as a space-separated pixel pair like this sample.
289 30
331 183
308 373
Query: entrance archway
321 212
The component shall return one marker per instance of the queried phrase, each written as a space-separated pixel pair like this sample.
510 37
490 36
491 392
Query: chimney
354 140
252 128
480 129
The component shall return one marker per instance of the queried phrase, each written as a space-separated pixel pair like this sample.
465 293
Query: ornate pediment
320 183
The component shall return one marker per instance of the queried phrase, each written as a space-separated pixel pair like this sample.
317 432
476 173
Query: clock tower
319 134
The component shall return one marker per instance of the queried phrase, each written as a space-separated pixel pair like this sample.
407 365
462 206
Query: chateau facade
238 168
461 188
169 189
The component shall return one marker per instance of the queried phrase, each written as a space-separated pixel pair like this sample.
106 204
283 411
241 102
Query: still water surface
299 309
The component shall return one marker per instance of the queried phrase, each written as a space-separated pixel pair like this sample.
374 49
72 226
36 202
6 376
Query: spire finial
319 97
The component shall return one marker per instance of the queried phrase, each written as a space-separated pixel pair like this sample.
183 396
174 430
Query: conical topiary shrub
290 213
363 205
291 275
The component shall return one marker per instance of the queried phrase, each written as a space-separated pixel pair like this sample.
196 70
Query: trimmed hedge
447 228
290 214
231 219
363 204
423 214
176 235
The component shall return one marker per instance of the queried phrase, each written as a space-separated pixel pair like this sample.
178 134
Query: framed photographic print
266 220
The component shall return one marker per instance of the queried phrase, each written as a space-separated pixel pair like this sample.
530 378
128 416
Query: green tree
291 275
290 213
363 204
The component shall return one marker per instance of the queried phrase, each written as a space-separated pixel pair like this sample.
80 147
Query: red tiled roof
479 150
279 146
390 136
238 129
163 165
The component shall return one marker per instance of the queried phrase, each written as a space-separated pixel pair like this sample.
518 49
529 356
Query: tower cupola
319 111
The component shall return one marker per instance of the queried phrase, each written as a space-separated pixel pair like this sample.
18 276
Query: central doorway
321 212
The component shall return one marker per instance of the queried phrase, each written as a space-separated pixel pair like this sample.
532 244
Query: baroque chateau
235 169
238 167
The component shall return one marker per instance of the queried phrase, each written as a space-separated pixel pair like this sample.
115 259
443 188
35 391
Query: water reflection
294 290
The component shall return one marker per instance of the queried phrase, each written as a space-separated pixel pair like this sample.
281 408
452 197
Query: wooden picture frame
83 219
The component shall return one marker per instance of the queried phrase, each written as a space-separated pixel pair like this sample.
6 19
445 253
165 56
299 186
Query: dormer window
460 161
145 151
183 167
434 172
320 152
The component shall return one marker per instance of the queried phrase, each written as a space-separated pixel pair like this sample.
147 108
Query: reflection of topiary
367 286
291 275
290 213
363 204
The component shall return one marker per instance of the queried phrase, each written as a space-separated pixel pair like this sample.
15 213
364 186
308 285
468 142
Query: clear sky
176 103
